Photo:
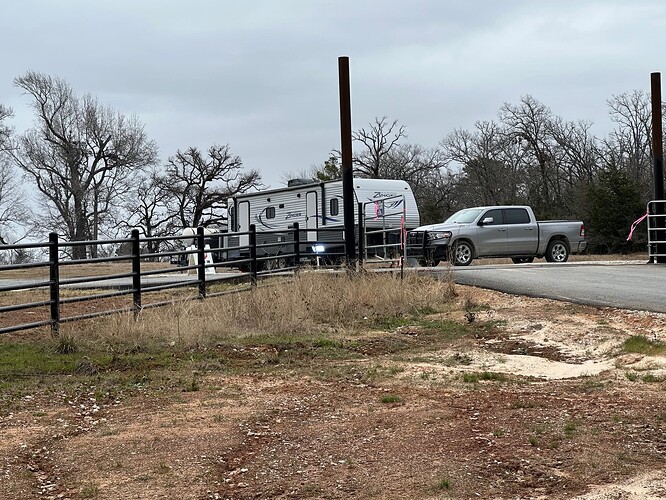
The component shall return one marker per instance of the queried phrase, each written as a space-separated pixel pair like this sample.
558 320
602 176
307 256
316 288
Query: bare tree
147 209
80 155
378 142
199 184
5 113
529 124
629 146
329 170
488 174
13 211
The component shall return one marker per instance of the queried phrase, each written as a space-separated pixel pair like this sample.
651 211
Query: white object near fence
193 258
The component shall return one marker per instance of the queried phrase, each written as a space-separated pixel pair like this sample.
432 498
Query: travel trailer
387 204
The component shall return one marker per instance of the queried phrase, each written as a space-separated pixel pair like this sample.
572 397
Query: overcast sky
262 76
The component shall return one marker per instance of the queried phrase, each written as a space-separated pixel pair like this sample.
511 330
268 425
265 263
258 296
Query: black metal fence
128 280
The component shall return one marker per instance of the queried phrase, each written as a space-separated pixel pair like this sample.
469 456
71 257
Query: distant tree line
527 156
97 175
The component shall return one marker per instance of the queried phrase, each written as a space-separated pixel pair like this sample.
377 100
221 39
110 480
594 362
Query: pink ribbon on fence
636 223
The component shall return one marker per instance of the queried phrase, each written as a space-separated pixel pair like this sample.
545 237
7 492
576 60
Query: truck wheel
557 251
463 253
522 260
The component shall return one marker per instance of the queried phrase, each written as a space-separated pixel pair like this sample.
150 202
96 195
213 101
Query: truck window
464 216
496 215
516 216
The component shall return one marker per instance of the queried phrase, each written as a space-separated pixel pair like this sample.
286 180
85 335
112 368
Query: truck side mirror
487 220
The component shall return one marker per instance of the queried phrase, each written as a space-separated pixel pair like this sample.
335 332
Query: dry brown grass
311 303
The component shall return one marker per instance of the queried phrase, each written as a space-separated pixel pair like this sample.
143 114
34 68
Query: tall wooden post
346 151
659 234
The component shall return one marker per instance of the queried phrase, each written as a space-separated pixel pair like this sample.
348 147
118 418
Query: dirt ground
543 404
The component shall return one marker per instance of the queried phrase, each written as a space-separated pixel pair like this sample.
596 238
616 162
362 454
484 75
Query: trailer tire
463 253
557 251
273 264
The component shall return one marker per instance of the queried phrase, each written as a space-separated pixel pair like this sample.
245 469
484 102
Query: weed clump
642 345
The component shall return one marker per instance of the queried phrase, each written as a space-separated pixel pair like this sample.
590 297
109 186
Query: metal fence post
361 235
54 285
403 239
201 262
253 255
136 272
297 245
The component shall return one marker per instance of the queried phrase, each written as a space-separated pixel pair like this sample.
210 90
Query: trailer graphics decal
293 215
259 219
388 204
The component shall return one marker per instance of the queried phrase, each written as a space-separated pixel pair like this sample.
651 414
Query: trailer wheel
276 263
463 253
557 251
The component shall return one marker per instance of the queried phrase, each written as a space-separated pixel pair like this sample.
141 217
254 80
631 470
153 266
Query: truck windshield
464 216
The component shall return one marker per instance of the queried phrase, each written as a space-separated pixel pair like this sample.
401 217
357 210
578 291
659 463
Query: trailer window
334 207
270 212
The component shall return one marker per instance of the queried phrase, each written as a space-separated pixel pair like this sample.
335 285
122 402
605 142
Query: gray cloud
262 76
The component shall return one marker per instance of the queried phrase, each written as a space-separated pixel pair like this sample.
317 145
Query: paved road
624 285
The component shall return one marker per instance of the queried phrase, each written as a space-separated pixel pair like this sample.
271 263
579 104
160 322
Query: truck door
243 222
492 236
523 234
311 213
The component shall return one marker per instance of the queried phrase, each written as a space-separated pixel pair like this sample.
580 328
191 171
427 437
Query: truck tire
463 253
557 251
522 260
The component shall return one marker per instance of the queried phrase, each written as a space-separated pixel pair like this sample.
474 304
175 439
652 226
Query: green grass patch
390 398
440 329
475 377
642 345
651 378
443 485
89 490
570 428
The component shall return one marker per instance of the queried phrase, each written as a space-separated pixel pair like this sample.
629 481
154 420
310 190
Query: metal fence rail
134 287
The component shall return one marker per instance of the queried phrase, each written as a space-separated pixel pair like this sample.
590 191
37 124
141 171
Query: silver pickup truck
497 231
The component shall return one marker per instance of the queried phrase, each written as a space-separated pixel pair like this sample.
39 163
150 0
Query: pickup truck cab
496 231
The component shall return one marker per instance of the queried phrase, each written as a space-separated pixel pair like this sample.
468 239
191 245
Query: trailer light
318 248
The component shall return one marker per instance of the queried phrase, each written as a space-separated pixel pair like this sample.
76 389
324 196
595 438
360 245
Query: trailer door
311 212
243 222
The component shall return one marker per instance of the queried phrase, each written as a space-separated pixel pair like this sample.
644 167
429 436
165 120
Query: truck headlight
441 235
